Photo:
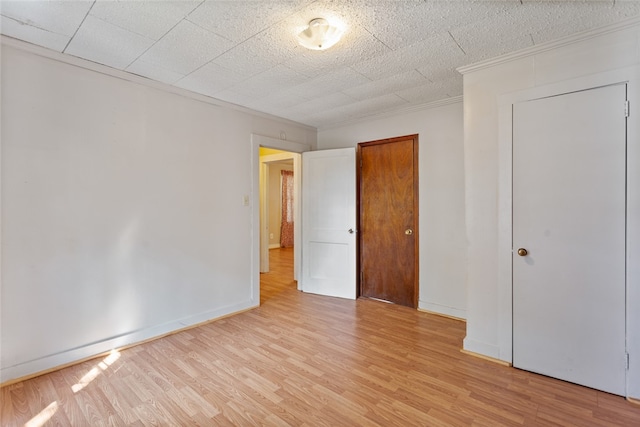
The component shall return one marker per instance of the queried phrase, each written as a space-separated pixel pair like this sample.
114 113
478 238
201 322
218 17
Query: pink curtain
286 226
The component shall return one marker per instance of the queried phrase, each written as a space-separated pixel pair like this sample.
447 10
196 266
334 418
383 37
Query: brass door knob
408 232
522 252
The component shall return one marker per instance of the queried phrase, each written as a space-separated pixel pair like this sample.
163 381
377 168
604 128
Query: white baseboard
481 348
274 246
442 309
50 362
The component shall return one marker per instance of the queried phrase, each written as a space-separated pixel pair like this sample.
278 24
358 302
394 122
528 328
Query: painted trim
442 310
74 356
134 78
482 349
551 45
396 112
439 314
487 358
274 246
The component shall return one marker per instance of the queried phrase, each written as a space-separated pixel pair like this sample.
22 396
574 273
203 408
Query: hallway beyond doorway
280 275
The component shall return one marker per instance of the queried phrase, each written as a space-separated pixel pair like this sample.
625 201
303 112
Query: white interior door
329 222
569 214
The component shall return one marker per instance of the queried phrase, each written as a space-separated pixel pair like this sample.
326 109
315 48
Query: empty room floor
307 360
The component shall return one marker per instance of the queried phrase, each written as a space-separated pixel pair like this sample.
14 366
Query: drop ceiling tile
151 19
435 91
317 104
442 70
259 53
186 48
154 72
19 30
355 110
387 85
107 44
401 23
566 20
59 17
322 118
233 97
334 81
532 22
269 82
492 37
373 105
300 118
626 8
241 20
209 80
413 56
279 101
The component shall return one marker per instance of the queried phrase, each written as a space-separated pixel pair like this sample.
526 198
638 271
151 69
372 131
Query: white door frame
631 76
258 141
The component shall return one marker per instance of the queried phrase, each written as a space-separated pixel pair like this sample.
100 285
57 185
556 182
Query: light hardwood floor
307 360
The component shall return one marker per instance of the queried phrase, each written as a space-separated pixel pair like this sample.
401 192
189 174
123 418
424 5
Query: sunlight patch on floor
44 416
96 370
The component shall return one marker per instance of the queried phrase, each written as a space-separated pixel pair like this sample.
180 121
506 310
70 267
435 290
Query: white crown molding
544 47
123 75
396 112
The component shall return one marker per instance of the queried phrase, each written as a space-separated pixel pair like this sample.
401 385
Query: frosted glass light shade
319 35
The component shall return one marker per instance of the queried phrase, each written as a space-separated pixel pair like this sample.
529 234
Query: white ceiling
394 54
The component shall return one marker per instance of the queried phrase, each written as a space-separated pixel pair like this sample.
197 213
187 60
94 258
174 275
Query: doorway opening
278 215
258 253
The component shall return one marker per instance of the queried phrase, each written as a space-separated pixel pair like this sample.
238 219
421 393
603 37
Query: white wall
609 56
120 222
441 196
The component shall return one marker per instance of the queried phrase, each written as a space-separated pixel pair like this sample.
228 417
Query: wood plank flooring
307 360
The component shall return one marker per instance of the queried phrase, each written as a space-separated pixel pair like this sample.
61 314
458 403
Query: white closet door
569 156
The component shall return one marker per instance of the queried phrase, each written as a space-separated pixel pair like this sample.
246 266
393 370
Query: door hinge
626 108
627 360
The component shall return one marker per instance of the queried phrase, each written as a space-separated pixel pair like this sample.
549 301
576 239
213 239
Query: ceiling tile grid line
78 27
393 54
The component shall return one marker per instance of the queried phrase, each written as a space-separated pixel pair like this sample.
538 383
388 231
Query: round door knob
408 232
522 252
351 231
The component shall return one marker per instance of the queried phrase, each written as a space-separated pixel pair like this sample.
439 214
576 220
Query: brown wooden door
388 219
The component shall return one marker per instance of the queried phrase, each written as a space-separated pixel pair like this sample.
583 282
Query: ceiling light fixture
320 35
